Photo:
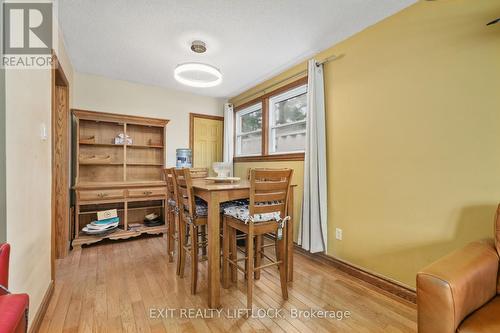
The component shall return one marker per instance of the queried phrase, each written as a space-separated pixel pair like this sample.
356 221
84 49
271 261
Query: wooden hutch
125 176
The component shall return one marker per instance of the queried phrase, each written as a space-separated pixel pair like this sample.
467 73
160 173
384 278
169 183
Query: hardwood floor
125 286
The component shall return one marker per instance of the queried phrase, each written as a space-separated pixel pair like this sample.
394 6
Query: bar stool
266 213
192 215
172 212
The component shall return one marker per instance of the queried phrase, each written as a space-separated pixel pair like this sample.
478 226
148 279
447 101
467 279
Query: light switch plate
43 132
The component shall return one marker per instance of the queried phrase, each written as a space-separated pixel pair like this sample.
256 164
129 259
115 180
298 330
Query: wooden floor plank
116 286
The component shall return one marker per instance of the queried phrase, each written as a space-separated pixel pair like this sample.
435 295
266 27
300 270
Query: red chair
13 307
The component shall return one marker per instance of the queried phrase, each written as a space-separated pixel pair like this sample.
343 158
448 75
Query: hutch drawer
95 195
147 192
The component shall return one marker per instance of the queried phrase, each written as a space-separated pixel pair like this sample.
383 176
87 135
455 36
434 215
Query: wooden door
207 133
60 164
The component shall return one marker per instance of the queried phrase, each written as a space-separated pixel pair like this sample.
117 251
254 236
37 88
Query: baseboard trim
377 281
37 321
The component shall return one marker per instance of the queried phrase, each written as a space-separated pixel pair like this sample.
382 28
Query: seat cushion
484 320
201 209
243 214
13 312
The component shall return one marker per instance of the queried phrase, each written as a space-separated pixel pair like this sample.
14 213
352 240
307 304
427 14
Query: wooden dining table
215 194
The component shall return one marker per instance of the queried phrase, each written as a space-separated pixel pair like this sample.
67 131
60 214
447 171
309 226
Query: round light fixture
199 75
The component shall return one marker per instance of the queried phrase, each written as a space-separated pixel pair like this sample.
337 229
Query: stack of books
107 222
153 220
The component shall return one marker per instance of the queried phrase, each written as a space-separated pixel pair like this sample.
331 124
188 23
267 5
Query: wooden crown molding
118 118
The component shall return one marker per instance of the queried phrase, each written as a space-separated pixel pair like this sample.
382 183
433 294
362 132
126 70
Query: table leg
171 231
289 251
213 251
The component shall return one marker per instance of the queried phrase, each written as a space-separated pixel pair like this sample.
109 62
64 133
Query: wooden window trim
264 100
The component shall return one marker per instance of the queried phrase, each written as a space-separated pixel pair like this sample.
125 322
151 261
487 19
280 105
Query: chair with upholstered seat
266 213
13 307
192 215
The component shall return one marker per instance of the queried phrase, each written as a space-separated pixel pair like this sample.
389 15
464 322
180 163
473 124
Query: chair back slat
271 186
270 208
269 191
198 173
271 196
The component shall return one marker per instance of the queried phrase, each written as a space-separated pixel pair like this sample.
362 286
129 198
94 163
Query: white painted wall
28 165
98 93
29 174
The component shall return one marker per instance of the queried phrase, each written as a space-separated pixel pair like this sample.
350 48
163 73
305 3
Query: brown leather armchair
461 292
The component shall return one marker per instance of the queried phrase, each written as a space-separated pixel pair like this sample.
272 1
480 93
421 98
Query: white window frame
239 133
271 108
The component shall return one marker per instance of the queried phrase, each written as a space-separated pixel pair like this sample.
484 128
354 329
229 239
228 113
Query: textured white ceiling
248 40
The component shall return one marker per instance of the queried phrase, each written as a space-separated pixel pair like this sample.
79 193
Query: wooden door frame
58 79
192 116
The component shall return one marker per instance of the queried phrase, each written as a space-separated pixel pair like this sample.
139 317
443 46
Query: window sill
265 158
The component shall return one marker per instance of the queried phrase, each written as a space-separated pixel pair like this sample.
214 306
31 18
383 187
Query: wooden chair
192 216
198 172
172 212
259 240
266 213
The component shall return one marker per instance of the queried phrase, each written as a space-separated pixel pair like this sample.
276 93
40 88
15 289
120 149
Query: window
249 131
287 121
272 127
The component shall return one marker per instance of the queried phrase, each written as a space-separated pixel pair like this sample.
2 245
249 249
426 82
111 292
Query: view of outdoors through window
251 121
288 122
249 133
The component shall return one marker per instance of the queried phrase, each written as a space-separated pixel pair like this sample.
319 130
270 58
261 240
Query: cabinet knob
102 195
148 192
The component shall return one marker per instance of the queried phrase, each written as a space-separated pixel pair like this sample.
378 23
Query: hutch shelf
126 176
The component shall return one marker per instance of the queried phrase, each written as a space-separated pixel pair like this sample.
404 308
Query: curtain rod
296 75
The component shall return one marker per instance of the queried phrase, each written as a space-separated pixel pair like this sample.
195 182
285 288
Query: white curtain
228 133
313 229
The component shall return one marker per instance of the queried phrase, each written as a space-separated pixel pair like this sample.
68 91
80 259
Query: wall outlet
338 233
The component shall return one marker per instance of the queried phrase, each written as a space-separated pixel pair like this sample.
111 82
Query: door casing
192 133
60 164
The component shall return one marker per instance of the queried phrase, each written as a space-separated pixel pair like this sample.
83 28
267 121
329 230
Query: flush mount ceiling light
199 75
198 46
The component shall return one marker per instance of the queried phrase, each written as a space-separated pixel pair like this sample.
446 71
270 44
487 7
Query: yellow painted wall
413 131
241 169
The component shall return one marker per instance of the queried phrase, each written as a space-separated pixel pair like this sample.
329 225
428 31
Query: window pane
250 144
290 110
289 138
251 121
